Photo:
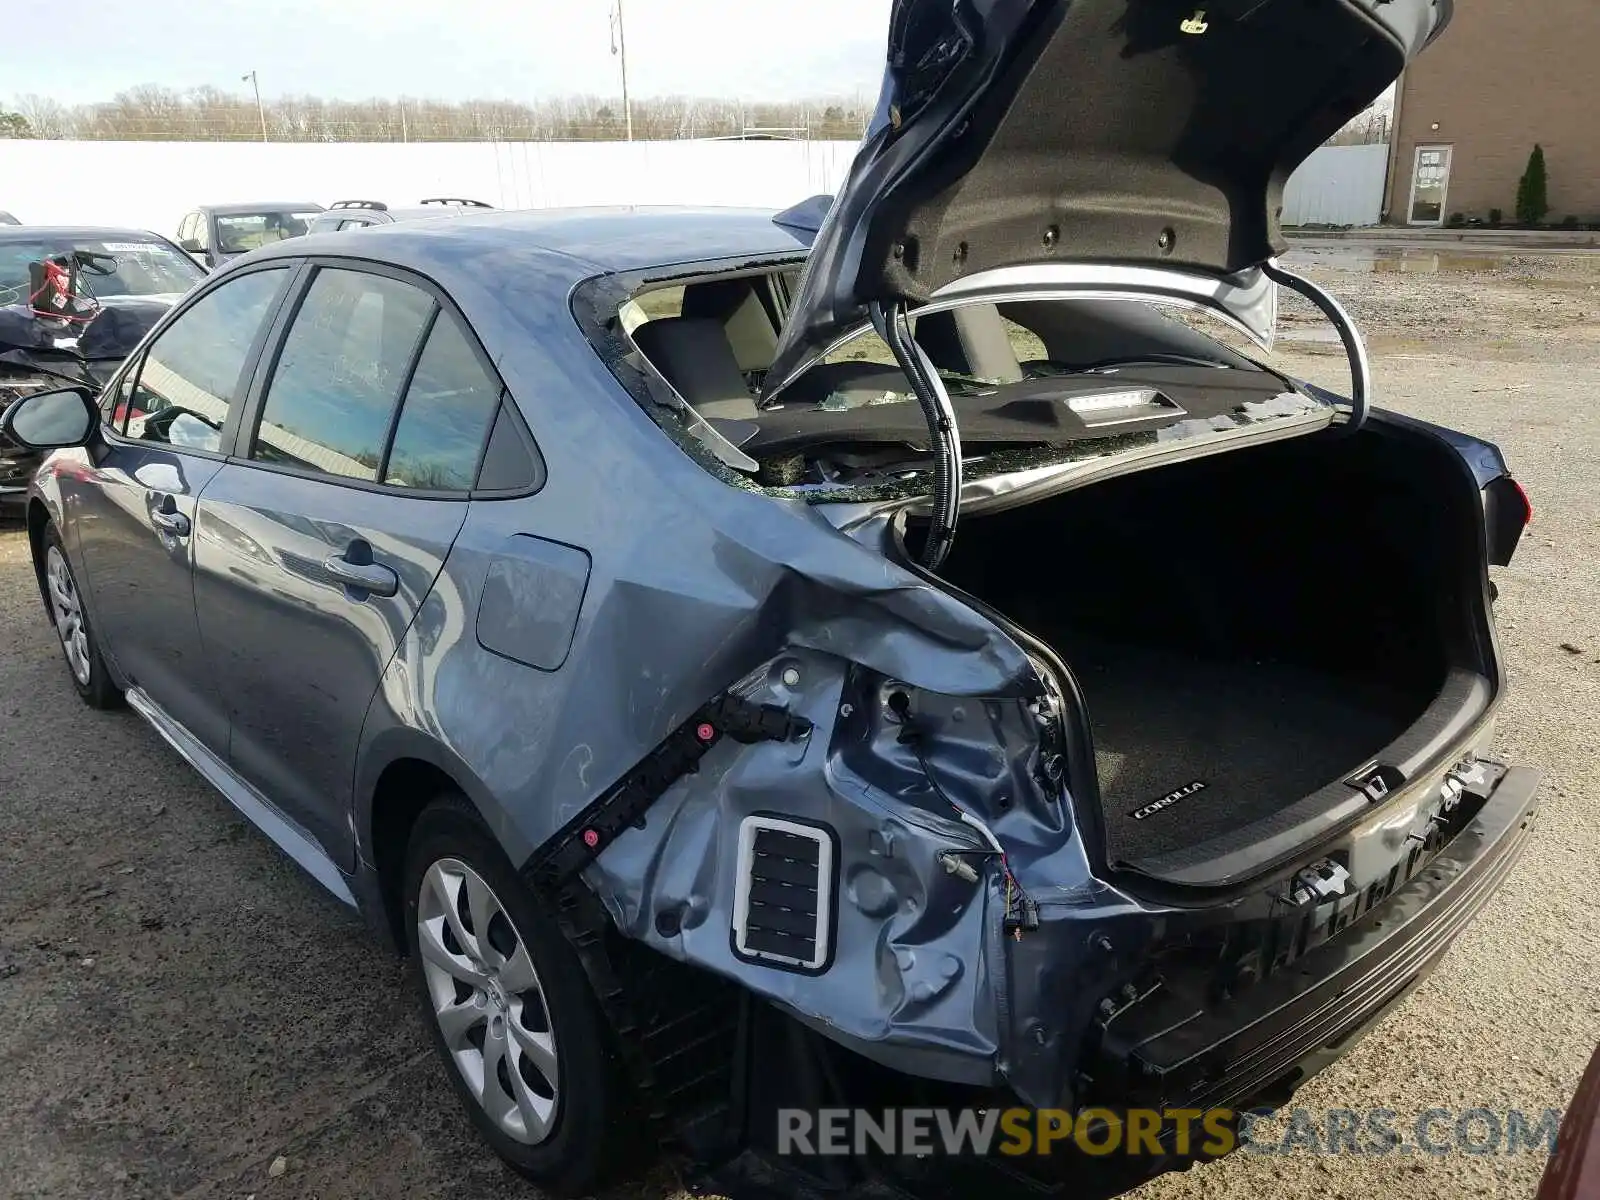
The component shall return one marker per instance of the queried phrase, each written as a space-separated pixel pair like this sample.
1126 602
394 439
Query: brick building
1505 75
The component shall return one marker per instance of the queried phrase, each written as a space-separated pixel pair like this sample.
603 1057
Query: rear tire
508 1007
70 618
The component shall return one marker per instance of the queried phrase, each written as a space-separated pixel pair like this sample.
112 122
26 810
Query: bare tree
46 117
1366 129
153 113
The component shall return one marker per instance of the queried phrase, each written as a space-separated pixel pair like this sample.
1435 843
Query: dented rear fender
915 970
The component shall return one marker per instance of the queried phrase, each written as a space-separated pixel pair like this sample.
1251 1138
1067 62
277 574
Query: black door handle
359 573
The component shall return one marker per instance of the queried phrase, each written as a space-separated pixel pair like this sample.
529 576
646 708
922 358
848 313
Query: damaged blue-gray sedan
907 651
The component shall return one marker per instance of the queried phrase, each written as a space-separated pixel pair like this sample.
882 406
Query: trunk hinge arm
1355 347
894 327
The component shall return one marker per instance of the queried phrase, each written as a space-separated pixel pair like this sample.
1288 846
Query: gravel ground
179 1008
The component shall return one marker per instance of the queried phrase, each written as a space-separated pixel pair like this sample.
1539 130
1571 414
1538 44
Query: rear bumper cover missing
1113 998
1273 1035
1249 1050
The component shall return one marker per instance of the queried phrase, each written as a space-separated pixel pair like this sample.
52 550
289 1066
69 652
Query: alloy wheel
68 609
487 1000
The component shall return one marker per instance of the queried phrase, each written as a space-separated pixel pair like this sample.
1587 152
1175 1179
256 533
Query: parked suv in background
1048 706
358 214
214 233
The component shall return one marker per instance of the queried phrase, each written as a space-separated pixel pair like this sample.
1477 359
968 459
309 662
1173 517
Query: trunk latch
1322 880
1377 782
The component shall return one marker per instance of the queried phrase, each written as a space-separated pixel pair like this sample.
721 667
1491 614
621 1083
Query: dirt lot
179 1008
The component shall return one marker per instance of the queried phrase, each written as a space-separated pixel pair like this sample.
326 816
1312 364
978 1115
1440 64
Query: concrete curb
1478 239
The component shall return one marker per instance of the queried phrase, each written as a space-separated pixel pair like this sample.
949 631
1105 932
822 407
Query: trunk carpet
1259 736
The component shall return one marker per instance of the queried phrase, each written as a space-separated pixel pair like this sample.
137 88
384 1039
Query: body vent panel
783 899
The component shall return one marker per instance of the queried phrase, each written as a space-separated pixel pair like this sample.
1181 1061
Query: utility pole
260 111
619 47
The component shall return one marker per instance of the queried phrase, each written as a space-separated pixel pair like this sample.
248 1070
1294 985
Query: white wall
152 184
1337 185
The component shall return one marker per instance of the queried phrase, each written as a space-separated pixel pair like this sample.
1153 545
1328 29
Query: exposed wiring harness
1021 910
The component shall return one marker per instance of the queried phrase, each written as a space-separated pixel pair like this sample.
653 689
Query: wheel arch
403 771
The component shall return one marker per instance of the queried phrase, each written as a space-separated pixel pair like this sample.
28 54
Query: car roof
383 216
261 206
590 241
427 212
77 233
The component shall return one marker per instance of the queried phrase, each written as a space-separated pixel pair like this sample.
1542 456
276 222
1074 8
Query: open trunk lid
1011 133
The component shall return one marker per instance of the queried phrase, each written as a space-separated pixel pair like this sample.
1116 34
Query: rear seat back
694 356
736 305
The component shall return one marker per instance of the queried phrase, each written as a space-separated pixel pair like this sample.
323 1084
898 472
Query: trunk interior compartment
1251 630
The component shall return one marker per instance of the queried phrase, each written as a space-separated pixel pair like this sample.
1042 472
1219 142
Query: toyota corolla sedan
892 652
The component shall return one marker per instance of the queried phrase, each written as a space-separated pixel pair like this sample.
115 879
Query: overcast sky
503 49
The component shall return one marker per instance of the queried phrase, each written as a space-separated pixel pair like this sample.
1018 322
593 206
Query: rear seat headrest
694 355
736 304
970 341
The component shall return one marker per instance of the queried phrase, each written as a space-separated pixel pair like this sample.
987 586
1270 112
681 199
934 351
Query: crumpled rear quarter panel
693 586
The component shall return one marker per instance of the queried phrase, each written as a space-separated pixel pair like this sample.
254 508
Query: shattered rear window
1035 385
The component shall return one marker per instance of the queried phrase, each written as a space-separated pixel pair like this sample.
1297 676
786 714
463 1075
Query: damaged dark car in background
73 303
886 655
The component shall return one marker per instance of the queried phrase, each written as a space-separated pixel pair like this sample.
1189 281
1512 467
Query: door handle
357 571
168 519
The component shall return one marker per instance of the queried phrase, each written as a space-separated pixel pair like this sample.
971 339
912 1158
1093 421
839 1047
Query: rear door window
340 373
192 373
445 419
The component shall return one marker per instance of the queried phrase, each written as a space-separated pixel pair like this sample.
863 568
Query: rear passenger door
317 543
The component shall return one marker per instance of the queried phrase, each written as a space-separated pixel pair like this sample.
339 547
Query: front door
1430 185
165 438
316 548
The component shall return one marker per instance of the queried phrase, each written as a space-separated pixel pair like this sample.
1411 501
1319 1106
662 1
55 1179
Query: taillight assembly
1507 512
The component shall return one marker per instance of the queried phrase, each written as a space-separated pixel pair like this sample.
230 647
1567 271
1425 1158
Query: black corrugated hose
894 327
